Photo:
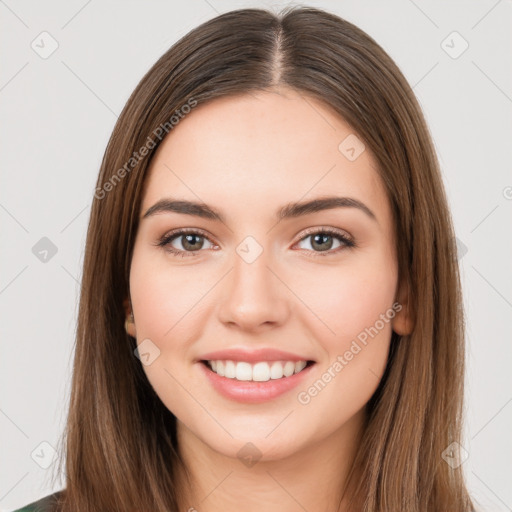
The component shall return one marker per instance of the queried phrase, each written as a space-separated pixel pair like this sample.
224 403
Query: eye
323 239
190 240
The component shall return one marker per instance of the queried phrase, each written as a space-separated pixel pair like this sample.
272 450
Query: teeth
243 371
230 370
261 372
289 368
299 366
258 372
276 370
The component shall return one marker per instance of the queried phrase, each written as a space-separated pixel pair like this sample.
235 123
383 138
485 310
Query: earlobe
403 322
129 323
129 326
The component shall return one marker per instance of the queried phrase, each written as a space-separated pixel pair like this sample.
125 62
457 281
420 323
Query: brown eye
191 242
181 242
322 241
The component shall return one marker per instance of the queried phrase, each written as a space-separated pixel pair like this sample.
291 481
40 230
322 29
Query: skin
246 156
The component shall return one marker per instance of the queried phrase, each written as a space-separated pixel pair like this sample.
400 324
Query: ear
129 320
403 321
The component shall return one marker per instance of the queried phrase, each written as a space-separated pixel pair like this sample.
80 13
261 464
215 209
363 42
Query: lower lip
251 392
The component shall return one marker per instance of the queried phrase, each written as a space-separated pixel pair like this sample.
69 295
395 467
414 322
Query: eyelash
165 241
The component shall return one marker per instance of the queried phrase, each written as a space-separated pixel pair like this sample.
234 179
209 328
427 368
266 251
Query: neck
314 478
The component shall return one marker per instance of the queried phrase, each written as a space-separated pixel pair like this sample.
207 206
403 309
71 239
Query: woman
270 312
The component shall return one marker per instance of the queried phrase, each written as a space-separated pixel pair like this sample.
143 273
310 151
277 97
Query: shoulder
46 504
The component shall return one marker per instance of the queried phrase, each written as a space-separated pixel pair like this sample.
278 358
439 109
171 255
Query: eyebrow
290 210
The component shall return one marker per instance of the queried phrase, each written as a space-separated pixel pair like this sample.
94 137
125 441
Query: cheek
165 300
347 298
352 323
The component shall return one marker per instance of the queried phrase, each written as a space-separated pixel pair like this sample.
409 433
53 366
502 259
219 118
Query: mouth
254 383
261 371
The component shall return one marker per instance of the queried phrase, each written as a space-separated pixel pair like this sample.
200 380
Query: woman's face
264 276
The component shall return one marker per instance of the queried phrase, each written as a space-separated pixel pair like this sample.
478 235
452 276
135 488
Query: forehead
255 150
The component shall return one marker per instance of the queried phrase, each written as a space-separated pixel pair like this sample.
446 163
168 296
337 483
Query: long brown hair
120 440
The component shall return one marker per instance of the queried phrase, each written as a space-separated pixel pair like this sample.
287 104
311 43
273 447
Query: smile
254 382
258 372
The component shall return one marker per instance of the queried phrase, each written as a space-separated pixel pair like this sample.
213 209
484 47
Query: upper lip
252 356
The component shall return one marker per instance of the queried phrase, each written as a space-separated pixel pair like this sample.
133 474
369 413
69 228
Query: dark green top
45 504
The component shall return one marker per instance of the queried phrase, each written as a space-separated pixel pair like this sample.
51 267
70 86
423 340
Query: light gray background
58 113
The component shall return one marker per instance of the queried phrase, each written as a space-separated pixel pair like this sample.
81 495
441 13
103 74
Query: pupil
188 241
323 238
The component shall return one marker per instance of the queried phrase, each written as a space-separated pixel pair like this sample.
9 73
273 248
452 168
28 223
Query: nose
254 296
